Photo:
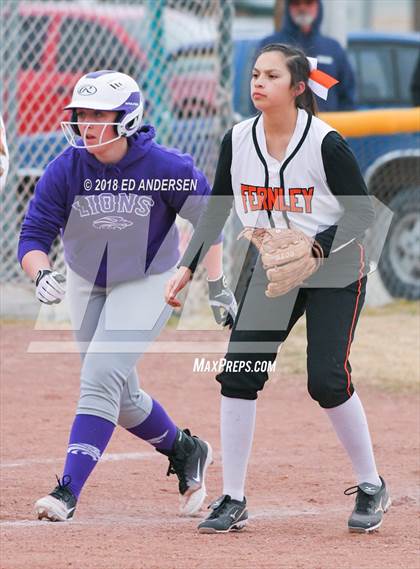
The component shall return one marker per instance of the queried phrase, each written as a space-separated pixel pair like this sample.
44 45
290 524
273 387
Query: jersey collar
272 163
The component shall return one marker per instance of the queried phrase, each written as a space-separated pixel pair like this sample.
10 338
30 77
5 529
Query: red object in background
62 42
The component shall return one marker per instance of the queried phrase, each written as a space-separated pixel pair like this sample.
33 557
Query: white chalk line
272 514
105 458
265 513
107 521
160 521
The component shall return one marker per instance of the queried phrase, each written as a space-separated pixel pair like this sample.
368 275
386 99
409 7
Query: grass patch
385 351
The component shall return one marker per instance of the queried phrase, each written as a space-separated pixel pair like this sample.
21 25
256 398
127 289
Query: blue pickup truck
383 65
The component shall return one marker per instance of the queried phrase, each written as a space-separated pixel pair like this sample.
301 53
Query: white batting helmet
106 90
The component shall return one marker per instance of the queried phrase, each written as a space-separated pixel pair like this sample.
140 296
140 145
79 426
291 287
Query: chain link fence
179 51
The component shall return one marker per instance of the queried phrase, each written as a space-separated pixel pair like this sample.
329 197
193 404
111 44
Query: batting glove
50 286
222 302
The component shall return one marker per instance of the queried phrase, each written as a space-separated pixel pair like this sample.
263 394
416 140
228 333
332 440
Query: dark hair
299 69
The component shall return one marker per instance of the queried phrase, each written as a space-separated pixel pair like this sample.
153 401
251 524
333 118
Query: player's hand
50 286
175 285
222 302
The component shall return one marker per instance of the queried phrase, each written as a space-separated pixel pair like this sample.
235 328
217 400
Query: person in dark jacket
301 27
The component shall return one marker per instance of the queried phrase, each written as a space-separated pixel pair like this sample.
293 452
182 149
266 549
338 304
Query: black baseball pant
332 300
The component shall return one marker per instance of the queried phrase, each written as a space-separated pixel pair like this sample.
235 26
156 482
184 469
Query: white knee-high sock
237 432
350 424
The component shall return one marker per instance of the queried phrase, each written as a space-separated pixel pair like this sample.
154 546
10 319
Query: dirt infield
127 516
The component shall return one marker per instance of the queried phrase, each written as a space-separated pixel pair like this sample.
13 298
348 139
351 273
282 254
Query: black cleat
227 515
59 506
189 460
371 504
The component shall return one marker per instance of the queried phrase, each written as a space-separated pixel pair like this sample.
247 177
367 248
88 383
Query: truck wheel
399 264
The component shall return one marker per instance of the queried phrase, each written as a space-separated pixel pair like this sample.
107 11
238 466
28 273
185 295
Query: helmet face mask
105 91
74 137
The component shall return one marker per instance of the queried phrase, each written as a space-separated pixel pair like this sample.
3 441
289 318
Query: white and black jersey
317 188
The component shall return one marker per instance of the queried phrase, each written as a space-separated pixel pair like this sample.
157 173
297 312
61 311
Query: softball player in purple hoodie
114 195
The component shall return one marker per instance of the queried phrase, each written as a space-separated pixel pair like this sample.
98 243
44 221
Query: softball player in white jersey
287 169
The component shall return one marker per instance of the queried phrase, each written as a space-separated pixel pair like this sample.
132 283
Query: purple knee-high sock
88 438
158 429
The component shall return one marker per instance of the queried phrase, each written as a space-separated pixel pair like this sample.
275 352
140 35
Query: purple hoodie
117 221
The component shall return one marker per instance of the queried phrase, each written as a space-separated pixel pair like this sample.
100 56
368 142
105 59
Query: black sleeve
347 184
217 210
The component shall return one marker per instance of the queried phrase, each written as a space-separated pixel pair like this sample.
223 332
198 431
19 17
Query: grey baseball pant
113 327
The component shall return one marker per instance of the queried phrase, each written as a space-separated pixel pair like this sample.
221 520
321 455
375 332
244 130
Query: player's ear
299 88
